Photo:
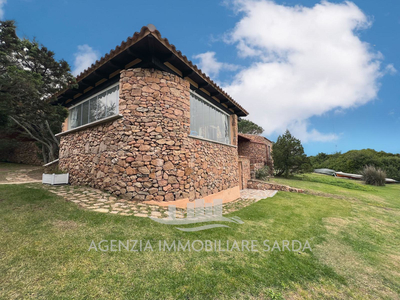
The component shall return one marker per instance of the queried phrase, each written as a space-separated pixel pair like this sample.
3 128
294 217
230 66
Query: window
207 121
97 107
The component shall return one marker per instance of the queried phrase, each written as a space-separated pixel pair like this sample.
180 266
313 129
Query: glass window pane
226 130
194 118
207 121
203 115
93 110
72 118
79 115
85 112
112 101
101 105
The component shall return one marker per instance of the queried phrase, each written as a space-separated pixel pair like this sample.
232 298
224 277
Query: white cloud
84 57
305 62
390 69
2 3
300 130
209 64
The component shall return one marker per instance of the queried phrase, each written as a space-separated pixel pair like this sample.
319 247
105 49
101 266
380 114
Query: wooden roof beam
115 65
203 85
187 73
100 74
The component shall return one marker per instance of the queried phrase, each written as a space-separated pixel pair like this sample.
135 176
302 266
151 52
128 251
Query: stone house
147 124
257 149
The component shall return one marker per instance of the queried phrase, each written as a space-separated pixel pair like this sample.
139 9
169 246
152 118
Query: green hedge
355 160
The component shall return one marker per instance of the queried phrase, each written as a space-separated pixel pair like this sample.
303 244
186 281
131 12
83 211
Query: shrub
374 176
288 155
270 166
353 161
263 173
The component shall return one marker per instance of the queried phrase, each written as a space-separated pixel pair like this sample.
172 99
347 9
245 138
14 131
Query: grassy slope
45 240
367 242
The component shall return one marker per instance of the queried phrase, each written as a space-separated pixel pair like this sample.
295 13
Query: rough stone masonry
148 154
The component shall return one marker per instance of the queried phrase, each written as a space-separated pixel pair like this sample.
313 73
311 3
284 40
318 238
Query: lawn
353 231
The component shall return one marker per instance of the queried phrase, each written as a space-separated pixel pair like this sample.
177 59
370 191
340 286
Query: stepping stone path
95 200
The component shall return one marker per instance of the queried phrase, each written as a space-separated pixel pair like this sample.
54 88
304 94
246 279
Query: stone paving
99 201
257 194
20 176
247 197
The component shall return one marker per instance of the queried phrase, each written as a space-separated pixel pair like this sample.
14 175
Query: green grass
331 180
354 235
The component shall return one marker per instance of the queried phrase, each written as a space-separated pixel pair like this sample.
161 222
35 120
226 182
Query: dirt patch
19 173
35 174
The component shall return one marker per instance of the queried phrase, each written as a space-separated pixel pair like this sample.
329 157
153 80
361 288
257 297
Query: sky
327 71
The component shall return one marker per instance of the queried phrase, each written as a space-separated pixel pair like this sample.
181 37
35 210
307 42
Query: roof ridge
113 52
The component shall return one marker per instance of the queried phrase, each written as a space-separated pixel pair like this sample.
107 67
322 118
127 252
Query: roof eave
106 62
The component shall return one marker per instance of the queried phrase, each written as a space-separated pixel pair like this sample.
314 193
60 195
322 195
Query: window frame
88 100
219 110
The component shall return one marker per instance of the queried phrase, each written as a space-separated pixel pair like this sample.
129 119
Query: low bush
263 173
374 176
353 161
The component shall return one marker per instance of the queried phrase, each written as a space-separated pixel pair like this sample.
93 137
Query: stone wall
262 185
148 154
245 176
21 152
254 167
213 167
255 147
257 152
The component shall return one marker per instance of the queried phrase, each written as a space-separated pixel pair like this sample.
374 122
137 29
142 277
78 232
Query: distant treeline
353 161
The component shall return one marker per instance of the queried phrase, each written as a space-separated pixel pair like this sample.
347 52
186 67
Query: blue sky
355 106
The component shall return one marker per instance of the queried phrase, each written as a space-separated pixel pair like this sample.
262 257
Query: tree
249 127
289 156
29 78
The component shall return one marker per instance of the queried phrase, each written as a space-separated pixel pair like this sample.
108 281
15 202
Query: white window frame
220 110
88 99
